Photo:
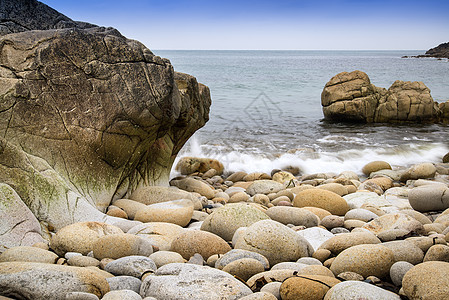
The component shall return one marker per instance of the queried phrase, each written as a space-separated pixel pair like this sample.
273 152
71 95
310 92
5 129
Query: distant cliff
440 51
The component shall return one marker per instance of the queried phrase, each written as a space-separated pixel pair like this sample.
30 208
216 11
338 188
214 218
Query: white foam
319 161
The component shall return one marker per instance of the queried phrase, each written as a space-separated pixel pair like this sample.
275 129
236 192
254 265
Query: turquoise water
267 103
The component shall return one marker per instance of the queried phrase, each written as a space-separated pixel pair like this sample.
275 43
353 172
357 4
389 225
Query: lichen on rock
87 116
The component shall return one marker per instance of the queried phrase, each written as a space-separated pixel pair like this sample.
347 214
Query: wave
311 161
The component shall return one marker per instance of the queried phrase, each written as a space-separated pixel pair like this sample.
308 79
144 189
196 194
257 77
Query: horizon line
288 49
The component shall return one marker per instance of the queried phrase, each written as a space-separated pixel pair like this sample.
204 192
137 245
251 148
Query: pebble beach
380 234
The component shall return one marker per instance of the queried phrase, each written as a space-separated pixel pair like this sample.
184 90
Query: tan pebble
343 241
321 254
212 260
287 193
197 241
243 184
261 199
210 173
41 245
244 268
351 224
283 176
337 188
61 261
316 270
332 221
80 237
239 197
366 260
375 166
327 200
321 213
428 280
437 253
350 276
269 276
83 261
177 212
373 208
222 195
120 245
351 188
117 212
219 200
129 206
280 199
328 262
301 188
226 220
256 176
272 288
422 242
104 262
259 296
237 176
435 227
306 287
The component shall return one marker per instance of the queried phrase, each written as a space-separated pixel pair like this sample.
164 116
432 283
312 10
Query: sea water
266 110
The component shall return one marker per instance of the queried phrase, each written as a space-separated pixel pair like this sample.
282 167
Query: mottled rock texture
87 116
350 97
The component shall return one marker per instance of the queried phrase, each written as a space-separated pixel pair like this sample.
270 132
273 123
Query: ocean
266 110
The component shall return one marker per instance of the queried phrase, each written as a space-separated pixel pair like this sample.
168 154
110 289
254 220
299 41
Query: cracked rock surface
350 97
87 116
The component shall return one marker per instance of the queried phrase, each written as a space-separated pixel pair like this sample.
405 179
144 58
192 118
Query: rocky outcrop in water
440 51
350 97
86 115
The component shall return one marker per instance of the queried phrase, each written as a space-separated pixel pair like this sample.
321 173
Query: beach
266 174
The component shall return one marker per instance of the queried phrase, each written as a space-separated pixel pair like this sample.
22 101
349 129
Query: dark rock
24 15
441 51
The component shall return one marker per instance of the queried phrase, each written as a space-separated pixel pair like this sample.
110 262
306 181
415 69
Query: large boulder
350 97
27 280
366 260
275 241
19 227
80 237
428 280
86 115
189 281
227 219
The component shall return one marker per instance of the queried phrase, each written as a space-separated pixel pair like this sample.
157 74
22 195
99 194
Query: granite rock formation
86 115
350 97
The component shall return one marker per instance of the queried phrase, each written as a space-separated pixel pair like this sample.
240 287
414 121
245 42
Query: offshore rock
87 116
350 97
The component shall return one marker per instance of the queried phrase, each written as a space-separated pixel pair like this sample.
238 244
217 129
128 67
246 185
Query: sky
269 25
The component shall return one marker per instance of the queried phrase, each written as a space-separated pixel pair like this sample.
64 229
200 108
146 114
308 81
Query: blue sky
261 24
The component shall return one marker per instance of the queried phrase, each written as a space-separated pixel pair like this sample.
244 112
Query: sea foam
315 161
